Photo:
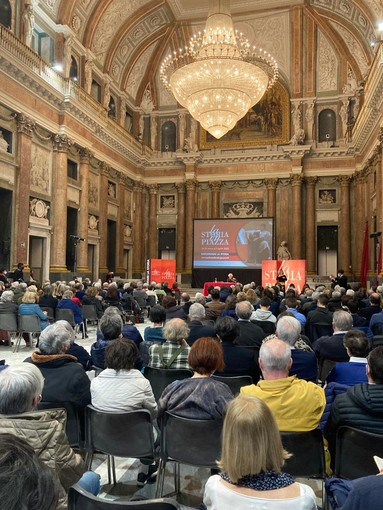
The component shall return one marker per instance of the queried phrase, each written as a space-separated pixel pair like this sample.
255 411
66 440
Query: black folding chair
354 452
74 422
90 313
235 383
125 434
79 499
187 441
65 314
159 378
308 460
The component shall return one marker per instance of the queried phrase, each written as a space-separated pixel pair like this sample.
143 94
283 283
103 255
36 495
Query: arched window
5 14
327 126
168 137
73 71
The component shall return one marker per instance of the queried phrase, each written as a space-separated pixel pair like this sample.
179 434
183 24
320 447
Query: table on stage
206 285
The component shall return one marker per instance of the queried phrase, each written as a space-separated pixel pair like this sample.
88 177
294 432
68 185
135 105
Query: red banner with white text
159 271
295 271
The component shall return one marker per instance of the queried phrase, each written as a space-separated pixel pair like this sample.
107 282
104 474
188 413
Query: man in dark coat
197 328
331 347
250 335
238 360
362 405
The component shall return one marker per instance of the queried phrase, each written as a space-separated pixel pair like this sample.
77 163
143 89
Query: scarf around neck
265 481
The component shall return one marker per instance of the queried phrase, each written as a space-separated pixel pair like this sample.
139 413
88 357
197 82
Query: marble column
137 228
345 230
120 226
25 128
190 214
152 246
310 225
61 144
379 189
103 218
215 190
296 220
180 254
271 186
83 218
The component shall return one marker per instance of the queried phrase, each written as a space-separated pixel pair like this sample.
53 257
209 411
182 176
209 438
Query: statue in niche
297 117
3 143
28 24
88 75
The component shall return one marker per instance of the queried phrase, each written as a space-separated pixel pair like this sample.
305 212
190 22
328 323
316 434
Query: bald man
297 405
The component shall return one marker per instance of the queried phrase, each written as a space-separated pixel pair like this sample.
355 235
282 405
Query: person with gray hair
21 389
250 335
76 350
304 362
197 328
296 404
173 353
331 347
111 326
65 378
8 306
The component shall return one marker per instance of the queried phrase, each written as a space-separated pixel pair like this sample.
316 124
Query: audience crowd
311 361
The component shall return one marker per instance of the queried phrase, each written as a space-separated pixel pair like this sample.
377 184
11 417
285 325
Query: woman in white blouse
251 463
120 387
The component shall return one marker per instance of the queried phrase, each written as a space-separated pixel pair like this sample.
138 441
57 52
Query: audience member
21 386
25 481
331 347
91 297
47 299
172 309
353 371
30 307
199 397
238 360
173 353
110 326
263 317
196 326
373 308
291 304
362 405
304 362
215 306
65 378
251 462
75 349
296 404
153 334
250 335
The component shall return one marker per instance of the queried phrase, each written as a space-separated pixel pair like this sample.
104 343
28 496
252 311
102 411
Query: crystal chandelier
219 76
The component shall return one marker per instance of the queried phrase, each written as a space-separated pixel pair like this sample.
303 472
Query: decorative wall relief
40 169
167 202
243 210
93 194
38 209
93 222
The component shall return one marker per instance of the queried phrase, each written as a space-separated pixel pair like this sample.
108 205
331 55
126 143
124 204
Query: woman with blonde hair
251 475
30 307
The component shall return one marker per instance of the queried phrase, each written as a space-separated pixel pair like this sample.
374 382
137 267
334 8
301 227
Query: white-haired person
251 464
7 306
21 387
65 378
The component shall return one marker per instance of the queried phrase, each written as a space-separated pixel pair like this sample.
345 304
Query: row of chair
130 434
160 378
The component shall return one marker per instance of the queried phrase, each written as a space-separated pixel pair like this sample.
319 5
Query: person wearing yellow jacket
296 404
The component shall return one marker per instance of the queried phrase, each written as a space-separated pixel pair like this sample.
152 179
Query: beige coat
44 431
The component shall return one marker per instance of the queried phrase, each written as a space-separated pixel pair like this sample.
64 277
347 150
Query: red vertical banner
295 271
364 265
162 271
